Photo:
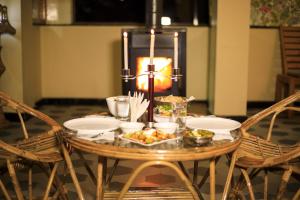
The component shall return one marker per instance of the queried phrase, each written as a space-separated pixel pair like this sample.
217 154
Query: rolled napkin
138 105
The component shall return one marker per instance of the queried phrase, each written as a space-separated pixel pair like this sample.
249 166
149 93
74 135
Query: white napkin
109 136
138 105
222 135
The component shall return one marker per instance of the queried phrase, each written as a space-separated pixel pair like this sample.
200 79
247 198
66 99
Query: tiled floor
286 132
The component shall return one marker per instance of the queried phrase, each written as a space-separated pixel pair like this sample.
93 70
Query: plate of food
197 137
148 137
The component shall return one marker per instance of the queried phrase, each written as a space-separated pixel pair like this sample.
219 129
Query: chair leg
297 195
195 176
50 181
266 180
229 176
61 190
30 183
4 190
249 185
87 167
278 90
72 172
284 180
206 174
291 91
15 180
111 174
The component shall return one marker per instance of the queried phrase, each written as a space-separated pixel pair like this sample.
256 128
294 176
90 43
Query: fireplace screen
162 81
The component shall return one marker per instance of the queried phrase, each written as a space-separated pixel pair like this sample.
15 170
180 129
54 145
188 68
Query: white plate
213 123
90 127
147 145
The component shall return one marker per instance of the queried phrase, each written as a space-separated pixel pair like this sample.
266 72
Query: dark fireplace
139 55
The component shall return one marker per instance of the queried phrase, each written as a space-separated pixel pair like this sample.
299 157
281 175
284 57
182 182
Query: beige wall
85 61
68 52
31 57
11 80
264 64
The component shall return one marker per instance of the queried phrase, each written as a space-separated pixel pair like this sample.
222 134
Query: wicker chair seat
257 152
44 147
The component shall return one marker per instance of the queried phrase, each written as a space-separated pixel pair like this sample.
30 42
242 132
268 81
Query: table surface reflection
175 150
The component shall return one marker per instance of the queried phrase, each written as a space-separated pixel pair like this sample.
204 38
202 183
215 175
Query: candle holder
126 76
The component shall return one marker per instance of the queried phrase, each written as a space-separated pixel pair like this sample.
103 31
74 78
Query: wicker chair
289 79
41 149
256 154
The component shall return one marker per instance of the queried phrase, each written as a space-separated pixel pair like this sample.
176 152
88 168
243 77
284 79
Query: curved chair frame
42 149
261 154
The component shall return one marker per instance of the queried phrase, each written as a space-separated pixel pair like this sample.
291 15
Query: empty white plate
89 127
213 123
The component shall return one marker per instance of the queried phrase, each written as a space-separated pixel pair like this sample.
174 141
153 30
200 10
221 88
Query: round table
161 154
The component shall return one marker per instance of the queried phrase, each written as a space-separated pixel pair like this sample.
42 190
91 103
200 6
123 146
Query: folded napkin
138 105
109 136
222 135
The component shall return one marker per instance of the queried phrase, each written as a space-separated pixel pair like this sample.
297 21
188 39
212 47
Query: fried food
149 136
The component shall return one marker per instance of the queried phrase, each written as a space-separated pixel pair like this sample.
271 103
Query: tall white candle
175 50
125 37
152 39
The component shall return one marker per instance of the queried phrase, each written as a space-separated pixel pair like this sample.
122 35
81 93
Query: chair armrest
275 109
24 108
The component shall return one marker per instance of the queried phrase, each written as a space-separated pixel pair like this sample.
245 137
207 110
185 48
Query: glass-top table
161 154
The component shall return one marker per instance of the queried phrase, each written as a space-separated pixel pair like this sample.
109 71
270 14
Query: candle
152 39
176 50
125 50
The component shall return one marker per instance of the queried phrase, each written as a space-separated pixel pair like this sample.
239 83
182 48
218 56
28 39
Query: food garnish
149 136
172 99
199 133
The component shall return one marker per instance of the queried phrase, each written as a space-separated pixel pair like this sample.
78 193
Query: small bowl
166 127
131 127
197 140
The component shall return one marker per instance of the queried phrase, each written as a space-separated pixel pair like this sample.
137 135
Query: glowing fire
162 80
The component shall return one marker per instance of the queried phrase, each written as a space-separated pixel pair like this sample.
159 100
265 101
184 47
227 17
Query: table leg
99 192
212 174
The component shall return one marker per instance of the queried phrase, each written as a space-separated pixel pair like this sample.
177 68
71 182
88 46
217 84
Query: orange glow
162 80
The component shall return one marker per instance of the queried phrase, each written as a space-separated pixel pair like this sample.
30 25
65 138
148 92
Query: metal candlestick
126 75
151 75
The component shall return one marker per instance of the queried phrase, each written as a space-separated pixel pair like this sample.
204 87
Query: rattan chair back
41 149
259 153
